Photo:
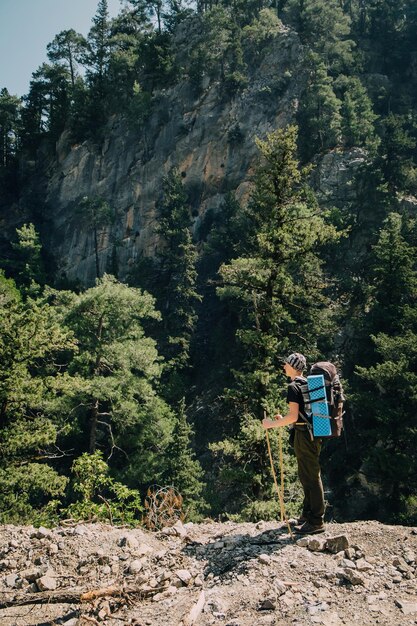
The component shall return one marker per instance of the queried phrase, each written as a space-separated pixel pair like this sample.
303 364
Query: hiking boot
309 529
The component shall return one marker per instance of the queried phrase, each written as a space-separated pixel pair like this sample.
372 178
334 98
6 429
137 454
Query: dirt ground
224 574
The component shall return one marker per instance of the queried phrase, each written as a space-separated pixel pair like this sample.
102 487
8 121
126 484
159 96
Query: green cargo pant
308 453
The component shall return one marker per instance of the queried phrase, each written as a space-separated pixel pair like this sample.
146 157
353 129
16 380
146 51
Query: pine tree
110 387
176 292
325 27
10 135
32 342
95 214
30 266
278 284
96 59
67 47
358 118
385 389
319 115
184 471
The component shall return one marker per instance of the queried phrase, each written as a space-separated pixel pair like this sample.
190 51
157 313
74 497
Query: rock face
231 574
210 139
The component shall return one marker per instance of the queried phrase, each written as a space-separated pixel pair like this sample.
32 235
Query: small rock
142 549
337 544
406 606
13 543
280 587
264 558
46 583
317 544
31 575
80 531
135 566
184 575
218 545
353 576
347 563
268 604
129 542
350 553
400 564
303 542
362 565
53 548
10 580
198 582
41 533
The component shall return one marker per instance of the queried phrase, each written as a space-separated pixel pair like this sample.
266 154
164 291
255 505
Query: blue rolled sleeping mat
319 406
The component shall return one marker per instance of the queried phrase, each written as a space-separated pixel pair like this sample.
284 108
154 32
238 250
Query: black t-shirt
294 393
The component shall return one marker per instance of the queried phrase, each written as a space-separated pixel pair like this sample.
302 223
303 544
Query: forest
162 378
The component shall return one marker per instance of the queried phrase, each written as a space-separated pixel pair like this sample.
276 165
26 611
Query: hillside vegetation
160 373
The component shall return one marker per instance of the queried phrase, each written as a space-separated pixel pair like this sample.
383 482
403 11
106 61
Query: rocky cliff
209 138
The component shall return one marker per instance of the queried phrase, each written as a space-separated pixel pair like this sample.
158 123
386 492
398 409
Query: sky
27 26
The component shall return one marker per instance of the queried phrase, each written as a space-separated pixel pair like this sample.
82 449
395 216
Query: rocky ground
224 574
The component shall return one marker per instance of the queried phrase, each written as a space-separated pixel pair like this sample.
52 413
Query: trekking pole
280 496
281 461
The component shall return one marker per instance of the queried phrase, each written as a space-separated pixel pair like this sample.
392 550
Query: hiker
307 449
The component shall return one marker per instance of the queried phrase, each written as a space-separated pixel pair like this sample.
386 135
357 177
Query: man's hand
272 423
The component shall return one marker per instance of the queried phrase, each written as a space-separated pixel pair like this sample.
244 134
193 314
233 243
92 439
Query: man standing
306 448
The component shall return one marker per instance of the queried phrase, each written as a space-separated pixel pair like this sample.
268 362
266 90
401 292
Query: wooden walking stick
281 460
280 495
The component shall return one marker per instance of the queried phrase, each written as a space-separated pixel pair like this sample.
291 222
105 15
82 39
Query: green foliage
31 342
325 27
67 48
110 387
218 52
358 118
184 471
31 272
100 497
396 154
385 390
176 277
278 285
95 213
10 107
319 115
262 29
47 106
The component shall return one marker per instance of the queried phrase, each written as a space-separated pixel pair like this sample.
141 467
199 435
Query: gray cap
297 361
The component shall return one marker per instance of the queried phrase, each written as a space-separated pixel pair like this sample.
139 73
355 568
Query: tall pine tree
278 286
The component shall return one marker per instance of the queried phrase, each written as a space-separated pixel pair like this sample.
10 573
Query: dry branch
77 596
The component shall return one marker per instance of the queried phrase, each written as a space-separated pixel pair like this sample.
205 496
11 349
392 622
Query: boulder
337 544
46 583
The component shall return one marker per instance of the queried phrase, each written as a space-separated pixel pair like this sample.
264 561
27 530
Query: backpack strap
302 385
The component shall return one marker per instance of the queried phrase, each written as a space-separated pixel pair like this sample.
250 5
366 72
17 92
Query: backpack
332 394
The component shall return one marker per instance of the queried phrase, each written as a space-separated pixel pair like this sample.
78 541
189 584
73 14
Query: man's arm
279 420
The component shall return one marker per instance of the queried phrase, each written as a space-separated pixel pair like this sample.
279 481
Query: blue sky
27 26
